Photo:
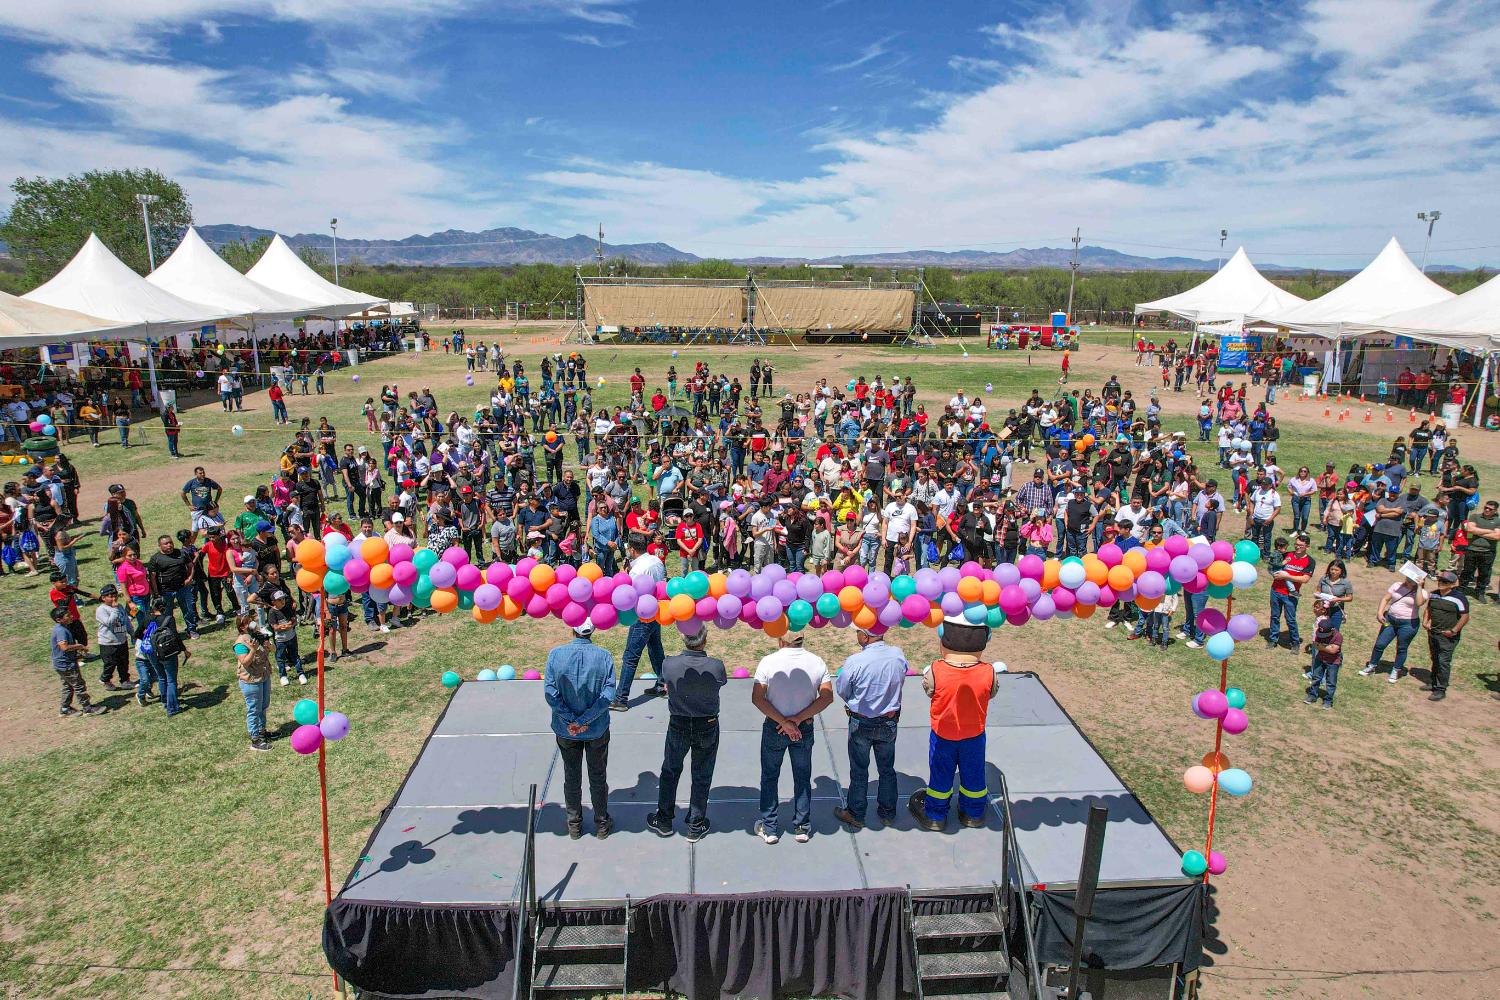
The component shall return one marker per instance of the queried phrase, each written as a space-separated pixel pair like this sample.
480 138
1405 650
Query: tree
242 255
50 218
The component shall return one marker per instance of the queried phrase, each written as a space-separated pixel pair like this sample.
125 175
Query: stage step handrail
1016 883
525 953
911 933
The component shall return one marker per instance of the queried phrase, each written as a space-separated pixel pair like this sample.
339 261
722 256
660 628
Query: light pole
1073 271
1431 219
146 201
334 225
1223 235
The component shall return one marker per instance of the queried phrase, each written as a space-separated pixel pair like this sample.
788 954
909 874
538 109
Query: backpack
145 645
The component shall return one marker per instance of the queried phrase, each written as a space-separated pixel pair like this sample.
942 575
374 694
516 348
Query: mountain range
499 247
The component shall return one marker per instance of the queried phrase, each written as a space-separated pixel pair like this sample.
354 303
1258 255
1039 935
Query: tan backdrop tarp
665 305
833 308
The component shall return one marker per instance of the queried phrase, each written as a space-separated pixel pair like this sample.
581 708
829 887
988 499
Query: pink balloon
1158 560
357 572
557 597
307 739
915 608
455 556
566 573
1235 721
574 614
1222 550
537 606
1107 597
404 573
1110 554
855 576
469 577
1019 618
970 568
833 582
1216 863
1197 585
1012 600
604 616
661 590
1212 703
604 587
1176 546
707 608
1032 567
1211 621
499 574
531 674
1062 599
525 566
518 589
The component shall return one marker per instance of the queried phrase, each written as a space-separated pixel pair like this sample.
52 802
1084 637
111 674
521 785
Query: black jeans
1440 647
1477 569
684 733
573 753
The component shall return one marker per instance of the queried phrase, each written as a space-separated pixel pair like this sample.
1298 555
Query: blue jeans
1383 550
123 426
257 697
288 657
643 637
278 410
773 744
1403 630
1326 675
145 676
66 561
183 598
1284 604
1301 509
701 736
967 758
1078 543
866 735
1193 604
165 668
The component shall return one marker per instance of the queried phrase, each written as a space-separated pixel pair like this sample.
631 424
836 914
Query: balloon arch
777 602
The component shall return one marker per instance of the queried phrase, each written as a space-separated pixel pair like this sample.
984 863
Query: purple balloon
1044 608
785 591
487 597
580 589
890 614
1128 594
1032 567
335 726
842 620
645 606
1007 574
1201 553
623 598
875 595
1151 583
400 596
952 604
738 583
761 585
1182 569
727 623
809 588
1243 627
730 606
442 574
1087 593
949 576
929 585
774 572
1031 589
768 609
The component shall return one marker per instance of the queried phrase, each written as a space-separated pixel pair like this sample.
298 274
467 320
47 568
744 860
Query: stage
435 908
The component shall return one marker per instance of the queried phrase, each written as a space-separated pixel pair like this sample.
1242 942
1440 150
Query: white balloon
1245 575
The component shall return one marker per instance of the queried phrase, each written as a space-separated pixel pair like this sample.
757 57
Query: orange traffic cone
1342 415
1411 416
1367 415
1390 417
1327 412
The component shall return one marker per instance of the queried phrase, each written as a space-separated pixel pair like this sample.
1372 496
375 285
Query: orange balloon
664 614
509 609
865 618
310 554
1081 445
1147 603
775 629
374 550
381 575
683 607
309 581
850 599
1050 570
970 589
935 617
1084 610
1120 578
551 437
1087 439
484 617
718 585
444 600
1136 560
1094 570
1219 572
989 592
542 576
591 571
1216 761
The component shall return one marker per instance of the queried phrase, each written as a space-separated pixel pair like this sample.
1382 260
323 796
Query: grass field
156 857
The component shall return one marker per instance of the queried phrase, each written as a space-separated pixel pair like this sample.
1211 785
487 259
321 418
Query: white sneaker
1194 644
385 628
1369 669
769 838
1110 624
285 680
218 619
301 678
1395 675
802 836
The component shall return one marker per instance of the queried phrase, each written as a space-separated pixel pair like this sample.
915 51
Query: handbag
9 555
29 542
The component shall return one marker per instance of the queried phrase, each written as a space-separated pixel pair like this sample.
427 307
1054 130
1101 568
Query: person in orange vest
960 684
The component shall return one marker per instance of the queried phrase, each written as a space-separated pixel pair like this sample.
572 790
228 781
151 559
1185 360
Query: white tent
31 324
281 270
1469 322
1226 297
98 283
1389 283
196 272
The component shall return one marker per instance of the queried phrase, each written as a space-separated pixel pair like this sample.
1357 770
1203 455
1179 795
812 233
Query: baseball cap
398 517
280 595
108 589
113 487
584 628
250 498
1447 576
262 526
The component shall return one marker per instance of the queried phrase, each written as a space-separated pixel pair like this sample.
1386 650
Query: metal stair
960 944
574 958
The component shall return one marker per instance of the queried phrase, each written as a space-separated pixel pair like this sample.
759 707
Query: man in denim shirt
579 686
870 684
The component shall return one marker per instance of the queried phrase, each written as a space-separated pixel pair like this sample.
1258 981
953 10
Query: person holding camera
252 653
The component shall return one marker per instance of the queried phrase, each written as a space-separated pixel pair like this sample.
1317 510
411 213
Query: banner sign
1235 351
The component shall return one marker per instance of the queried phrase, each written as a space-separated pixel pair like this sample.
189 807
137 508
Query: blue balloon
335 556
1220 645
43 418
976 613
1235 781
487 675
506 673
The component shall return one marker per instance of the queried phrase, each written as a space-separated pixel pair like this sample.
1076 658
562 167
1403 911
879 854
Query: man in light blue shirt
870 684
579 684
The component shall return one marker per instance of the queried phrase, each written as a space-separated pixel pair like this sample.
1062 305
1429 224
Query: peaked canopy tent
281 270
1227 296
98 283
24 323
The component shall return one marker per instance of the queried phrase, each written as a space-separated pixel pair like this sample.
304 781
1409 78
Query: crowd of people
701 470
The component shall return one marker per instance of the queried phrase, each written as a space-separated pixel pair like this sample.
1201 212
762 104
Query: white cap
397 517
250 499
585 629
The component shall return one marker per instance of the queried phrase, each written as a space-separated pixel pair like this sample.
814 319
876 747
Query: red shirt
689 536
216 558
861 390
637 383
275 392
1301 565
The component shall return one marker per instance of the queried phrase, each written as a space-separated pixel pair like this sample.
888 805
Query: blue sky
1312 131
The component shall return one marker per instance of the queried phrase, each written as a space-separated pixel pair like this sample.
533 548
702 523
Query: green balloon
451 679
465 600
423 588
628 618
1246 551
335 584
799 613
424 559
1236 698
994 617
907 623
1173 586
792 626
696 584
903 587
1219 591
674 587
1072 559
828 605
1193 864
305 712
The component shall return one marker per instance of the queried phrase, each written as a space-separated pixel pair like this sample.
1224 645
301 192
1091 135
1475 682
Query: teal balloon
674 587
976 614
1236 698
451 680
424 560
44 418
1246 551
423 589
506 673
465 600
628 618
1194 864
335 584
828 605
487 675
305 712
1173 587
1235 781
903 587
799 613
1219 591
1220 646
995 617
1071 559
792 626
696 584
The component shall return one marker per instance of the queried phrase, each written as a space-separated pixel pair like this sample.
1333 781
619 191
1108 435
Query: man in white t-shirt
898 526
1135 513
1265 501
226 391
791 687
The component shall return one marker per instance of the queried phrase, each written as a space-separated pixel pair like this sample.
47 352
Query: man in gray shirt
693 679
870 683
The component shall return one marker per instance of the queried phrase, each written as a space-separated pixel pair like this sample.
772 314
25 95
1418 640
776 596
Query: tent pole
1484 379
151 374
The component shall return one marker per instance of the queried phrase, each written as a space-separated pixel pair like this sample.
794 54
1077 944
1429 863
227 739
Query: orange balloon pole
322 762
1213 793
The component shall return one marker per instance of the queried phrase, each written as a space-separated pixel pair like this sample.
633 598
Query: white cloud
593 40
867 54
